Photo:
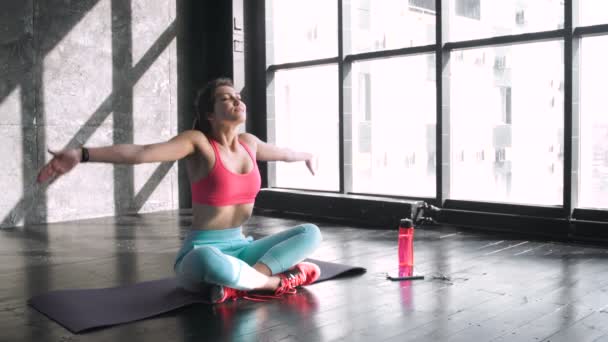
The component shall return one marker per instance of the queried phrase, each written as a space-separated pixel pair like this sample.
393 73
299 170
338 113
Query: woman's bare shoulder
251 141
193 133
195 136
199 140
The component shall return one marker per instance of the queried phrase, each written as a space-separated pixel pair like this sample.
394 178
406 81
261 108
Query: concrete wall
96 72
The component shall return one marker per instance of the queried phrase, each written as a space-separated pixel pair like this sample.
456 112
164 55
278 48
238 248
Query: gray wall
96 72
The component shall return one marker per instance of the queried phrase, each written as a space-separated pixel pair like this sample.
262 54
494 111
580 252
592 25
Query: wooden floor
478 287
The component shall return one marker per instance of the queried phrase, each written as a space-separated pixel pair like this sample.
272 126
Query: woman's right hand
62 162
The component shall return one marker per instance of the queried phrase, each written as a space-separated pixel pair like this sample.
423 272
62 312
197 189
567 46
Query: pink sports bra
224 187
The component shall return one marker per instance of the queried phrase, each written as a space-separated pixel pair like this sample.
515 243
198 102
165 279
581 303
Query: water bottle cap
406 223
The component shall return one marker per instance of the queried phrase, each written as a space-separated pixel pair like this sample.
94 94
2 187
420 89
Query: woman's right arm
177 148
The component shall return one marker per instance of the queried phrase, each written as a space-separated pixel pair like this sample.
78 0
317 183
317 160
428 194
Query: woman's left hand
62 162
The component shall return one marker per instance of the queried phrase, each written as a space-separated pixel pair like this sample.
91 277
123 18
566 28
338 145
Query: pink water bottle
406 248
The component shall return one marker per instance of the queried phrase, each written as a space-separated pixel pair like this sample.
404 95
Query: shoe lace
287 286
289 282
234 295
254 297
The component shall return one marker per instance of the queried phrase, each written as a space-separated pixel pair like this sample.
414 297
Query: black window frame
567 220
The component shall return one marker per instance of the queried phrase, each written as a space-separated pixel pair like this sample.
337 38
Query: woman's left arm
269 152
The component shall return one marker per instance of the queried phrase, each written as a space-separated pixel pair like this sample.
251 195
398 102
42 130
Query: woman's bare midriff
211 217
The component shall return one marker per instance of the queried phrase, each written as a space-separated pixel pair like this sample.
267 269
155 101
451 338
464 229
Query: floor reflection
244 320
567 282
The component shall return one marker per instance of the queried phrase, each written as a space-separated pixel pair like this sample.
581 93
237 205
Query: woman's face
228 105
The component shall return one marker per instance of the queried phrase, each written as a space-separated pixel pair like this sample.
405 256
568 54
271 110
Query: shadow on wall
87 71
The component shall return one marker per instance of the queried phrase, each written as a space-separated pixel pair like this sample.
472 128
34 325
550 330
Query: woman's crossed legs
246 265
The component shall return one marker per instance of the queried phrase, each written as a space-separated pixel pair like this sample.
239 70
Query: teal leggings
225 257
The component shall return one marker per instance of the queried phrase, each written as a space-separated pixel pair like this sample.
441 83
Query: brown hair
204 102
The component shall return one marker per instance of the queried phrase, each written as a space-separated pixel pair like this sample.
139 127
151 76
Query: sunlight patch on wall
87 190
150 19
10 108
77 80
154 121
11 182
77 73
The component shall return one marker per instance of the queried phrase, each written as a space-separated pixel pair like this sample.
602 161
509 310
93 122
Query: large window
475 19
390 24
594 123
468 9
506 109
302 30
593 12
393 127
306 102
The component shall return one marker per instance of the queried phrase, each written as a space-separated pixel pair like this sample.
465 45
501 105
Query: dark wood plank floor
478 287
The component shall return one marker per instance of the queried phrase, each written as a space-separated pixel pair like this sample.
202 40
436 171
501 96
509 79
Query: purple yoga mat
82 309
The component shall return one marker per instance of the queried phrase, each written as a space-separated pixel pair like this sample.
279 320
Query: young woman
225 180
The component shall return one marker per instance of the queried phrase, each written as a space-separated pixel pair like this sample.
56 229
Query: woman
224 177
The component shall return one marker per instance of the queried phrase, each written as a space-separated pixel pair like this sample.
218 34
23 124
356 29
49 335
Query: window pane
594 124
593 12
301 30
394 126
506 107
475 19
391 24
306 102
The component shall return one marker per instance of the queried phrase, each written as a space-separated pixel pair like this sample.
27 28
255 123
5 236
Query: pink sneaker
220 294
304 273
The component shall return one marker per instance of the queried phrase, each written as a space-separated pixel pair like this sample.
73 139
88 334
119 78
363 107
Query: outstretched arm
174 149
269 152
